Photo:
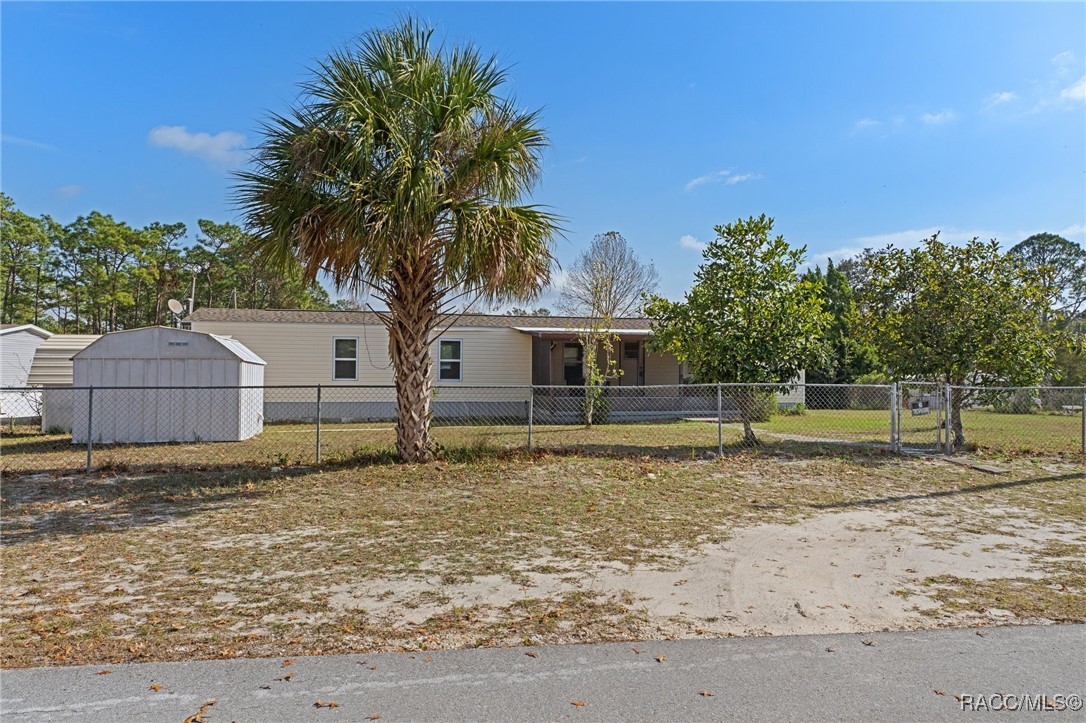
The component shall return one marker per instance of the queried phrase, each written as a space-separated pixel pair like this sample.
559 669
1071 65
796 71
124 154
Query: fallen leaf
831 650
636 650
286 678
375 716
198 716
325 704
532 654
856 574
288 662
939 692
104 672
868 642
578 704
427 659
155 687
373 667
661 658
705 694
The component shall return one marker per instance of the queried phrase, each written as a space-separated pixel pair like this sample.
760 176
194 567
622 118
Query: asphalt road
899 676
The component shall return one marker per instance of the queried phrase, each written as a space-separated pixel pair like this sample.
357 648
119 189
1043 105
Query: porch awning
557 332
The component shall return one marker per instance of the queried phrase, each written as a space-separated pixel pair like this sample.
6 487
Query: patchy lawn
985 432
507 548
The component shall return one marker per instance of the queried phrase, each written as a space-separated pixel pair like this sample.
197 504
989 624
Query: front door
573 364
630 364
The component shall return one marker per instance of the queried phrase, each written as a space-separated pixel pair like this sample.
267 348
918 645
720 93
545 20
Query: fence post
318 424
947 413
531 412
1082 413
719 422
90 423
895 422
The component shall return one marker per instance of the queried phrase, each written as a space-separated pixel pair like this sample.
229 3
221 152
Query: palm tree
399 172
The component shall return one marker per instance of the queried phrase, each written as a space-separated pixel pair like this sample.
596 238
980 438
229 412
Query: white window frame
357 356
459 359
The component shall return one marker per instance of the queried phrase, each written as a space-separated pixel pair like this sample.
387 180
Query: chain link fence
53 429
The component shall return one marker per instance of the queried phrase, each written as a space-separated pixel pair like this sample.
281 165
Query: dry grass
119 566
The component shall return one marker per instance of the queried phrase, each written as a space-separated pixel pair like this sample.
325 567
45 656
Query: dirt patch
529 549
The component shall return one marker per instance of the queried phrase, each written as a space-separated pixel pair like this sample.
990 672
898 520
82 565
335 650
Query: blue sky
852 124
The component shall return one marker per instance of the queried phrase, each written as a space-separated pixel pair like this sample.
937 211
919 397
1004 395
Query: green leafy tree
400 172
749 317
26 261
1061 266
846 358
959 314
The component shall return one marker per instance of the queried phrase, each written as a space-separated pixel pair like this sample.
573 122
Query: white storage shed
167 385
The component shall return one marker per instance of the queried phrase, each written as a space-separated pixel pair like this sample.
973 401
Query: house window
450 360
631 349
345 358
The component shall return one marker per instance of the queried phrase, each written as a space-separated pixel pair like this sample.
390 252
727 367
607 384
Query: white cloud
1073 230
1075 91
901 239
1064 63
732 180
69 191
943 116
709 178
726 177
223 149
689 242
17 141
1000 98
865 124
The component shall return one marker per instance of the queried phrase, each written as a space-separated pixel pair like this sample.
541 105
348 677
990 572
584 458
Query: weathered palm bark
414 390
414 317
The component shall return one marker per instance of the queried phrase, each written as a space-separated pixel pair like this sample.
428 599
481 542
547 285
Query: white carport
167 385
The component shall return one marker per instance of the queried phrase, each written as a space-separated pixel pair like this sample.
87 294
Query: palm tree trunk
410 353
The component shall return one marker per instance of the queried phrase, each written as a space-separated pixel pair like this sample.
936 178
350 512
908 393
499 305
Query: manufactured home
347 352
52 371
18 343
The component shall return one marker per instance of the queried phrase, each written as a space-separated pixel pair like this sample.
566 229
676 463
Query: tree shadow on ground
938 494
115 499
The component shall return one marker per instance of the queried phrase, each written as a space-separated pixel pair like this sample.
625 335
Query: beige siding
52 365
661 369
302 353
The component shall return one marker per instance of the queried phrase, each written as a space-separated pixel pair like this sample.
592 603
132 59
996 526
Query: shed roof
52 365
306 316
160 342
33 329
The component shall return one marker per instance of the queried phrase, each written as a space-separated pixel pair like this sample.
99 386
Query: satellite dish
175 306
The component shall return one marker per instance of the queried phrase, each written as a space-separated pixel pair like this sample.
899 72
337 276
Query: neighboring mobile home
52 369
18 343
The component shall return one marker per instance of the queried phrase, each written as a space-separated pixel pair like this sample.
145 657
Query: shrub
793 410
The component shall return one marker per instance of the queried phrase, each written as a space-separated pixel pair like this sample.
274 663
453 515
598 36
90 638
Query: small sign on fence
919 408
